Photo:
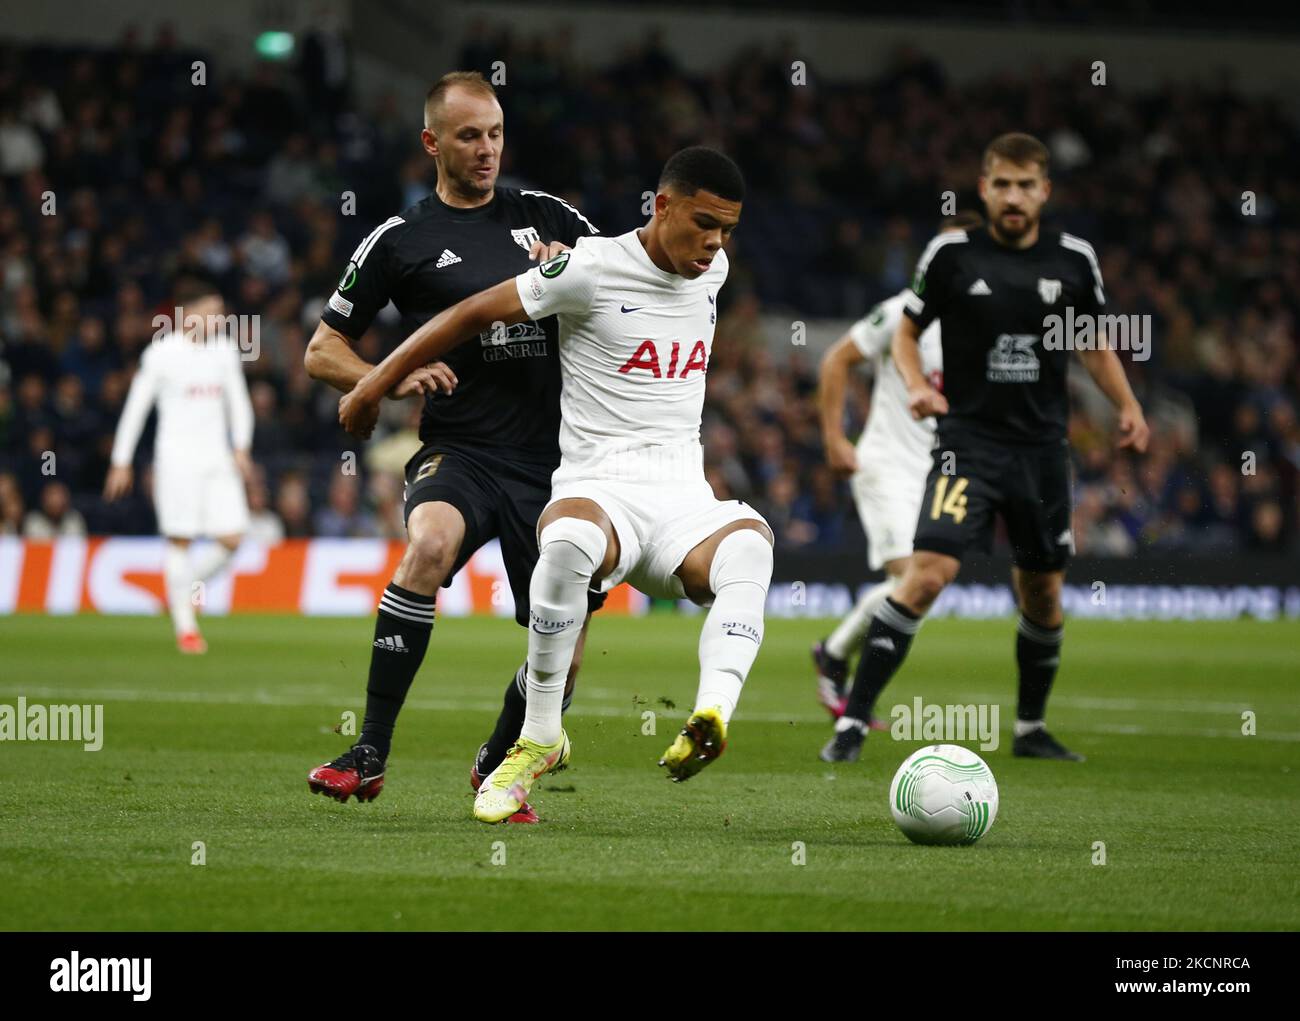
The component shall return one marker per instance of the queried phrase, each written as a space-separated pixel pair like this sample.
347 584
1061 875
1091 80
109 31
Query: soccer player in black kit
491 414
1001 446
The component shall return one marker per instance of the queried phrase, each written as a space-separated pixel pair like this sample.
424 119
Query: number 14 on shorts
949 499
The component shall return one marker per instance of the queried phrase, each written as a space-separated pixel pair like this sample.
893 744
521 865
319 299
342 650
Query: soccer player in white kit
201 448
629 501
887 469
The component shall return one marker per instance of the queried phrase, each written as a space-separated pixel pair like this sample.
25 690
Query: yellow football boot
701 741
506 788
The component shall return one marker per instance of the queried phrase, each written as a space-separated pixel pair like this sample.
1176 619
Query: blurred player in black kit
1002 446
491 415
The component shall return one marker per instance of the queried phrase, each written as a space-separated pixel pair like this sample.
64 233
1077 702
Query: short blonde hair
471 80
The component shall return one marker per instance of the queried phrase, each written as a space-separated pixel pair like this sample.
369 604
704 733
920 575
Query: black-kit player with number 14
1001 446
490 423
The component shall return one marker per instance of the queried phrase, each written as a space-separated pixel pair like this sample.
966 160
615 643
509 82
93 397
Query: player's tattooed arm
832 379
359 409
923 400
1107 371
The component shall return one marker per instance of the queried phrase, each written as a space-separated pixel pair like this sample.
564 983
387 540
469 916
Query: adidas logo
393 643
979 287
883 642
447 258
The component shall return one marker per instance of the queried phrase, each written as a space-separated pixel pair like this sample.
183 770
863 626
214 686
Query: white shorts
889 503
199 501
657 524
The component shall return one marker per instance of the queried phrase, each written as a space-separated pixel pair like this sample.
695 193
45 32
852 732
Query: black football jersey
507 399
993 304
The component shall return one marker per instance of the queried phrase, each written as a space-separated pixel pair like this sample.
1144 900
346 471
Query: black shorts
1028 486
498 498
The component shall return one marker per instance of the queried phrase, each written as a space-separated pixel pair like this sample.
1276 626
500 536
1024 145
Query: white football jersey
893 440
201 395
634 348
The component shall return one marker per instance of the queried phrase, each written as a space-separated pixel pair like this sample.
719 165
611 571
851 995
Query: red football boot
832 678
191 643
358 771
832 685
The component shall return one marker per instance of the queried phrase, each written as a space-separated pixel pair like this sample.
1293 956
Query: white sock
1024 727
733 630
179 578
211 560
848 635
570 551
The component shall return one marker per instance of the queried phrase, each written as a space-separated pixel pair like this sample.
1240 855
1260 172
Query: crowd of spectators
118 170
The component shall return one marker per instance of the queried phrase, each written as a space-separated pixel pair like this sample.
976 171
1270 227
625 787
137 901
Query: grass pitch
1199 822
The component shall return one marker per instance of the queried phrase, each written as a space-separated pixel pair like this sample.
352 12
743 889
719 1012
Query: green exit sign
274 45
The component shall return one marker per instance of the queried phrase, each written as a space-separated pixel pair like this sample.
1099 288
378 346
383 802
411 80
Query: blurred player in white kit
201 451
887 468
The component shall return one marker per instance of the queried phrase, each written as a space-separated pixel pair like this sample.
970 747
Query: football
944 794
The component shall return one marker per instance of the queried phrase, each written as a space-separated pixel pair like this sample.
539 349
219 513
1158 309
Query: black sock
510 722
401 637
1038 654
883 650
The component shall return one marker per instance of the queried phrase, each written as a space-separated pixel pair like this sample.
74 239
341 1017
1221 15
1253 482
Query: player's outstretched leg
570 552
1038 655
885 647
738 577
831 655
403 626
402 629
